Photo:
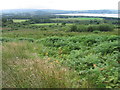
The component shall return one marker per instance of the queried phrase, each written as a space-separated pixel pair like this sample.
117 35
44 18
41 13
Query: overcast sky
59 4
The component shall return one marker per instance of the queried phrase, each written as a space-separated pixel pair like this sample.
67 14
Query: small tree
106 27
91 28
81 28
63 23
73 28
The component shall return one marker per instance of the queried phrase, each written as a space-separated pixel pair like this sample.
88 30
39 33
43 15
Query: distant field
46 24
77 19
19 20
42 24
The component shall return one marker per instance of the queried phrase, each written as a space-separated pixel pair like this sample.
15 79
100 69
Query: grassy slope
29 70
22 68
46 24
38 33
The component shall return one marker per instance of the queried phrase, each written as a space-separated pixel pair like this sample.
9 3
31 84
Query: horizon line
54 9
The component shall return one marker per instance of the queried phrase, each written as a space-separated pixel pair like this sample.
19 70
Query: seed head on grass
46 54
56 61
49 59
94 65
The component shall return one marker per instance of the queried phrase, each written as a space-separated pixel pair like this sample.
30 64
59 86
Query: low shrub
91 28
28 39
5 39
96 31
105 27
73 28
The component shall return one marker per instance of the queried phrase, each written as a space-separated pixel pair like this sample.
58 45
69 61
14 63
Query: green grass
93 56
58 62
42 24
47 24
62 19
19 20
54 58
23 68
38 33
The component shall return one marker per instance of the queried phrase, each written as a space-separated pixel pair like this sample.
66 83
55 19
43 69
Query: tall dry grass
22 68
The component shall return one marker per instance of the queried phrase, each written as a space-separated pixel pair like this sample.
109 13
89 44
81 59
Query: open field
39 33
77 19
46 24
43 24
19 20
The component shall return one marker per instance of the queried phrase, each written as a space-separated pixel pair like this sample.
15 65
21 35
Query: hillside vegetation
46 53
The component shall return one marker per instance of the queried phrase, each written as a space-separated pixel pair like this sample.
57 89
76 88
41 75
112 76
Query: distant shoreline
90 14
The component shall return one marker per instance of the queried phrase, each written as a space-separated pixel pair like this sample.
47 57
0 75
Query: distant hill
25 11
30 13
53 11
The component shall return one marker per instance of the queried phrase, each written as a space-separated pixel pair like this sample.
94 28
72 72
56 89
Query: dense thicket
91 28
